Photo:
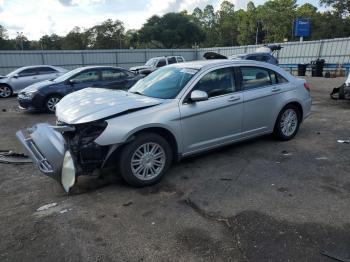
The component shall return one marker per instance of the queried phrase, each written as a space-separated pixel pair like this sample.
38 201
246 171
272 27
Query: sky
36 18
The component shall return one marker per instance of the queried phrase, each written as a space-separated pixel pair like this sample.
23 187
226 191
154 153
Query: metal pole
257 32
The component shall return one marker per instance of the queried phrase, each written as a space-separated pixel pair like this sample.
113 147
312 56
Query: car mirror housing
71 82
15 75
198 95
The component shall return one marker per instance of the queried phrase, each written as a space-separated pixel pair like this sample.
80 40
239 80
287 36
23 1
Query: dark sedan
45 95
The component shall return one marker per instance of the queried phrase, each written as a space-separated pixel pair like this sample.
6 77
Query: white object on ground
45 207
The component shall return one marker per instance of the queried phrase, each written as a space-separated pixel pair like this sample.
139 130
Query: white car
22 77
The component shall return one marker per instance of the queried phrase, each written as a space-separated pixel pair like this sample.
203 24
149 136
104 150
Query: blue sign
302 27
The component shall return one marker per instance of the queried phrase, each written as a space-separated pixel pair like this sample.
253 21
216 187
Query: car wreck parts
64 147
342 91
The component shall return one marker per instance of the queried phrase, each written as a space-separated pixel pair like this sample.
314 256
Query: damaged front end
65 152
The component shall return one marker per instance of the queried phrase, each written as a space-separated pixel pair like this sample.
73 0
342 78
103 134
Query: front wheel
145 160
51 102
288 122
5 91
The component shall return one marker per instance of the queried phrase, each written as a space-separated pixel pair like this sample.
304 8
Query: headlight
28 94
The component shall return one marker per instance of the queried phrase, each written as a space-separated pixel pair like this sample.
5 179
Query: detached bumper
47 148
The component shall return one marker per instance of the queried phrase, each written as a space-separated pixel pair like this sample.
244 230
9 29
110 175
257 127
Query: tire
5 91
342 92
51 102
292 124
133 158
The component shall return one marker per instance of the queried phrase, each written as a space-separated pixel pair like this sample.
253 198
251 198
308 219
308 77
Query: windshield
67 75
164 83
151 62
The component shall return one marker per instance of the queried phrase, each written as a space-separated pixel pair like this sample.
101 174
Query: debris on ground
225 179
343 141
321 158
46 207
65 210
334 256
10 157
127 204
286 153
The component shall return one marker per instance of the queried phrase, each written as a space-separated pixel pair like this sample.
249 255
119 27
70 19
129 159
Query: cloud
66 2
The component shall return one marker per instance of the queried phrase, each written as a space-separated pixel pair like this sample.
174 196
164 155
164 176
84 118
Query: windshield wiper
137 93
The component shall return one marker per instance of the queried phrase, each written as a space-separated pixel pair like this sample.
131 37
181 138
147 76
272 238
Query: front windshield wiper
137 93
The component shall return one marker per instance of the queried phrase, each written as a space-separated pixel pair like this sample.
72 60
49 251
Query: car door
47 73
114 78
86 78
215 121
261 94
25 78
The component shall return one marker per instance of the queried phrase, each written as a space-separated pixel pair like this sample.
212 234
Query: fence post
320 49
42 57
145 56
82 58
116 57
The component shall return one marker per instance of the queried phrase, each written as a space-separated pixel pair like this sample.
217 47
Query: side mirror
15 75
71 82
197 96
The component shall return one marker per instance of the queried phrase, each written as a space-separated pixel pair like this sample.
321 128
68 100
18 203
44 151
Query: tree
341 7
74 40
173 30
109 34
50 42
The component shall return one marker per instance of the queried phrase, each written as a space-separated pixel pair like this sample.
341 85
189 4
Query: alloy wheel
5 91
289 122
51 103
148 161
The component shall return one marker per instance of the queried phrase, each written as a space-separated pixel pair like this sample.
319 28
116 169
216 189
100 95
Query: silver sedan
177 111
22 77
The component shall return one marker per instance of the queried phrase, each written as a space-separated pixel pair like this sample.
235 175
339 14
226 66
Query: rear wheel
5 91
51 102
288 122
145 160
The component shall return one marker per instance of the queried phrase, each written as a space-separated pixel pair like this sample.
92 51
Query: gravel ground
261 200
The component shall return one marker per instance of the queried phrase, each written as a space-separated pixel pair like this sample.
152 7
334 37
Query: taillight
307 86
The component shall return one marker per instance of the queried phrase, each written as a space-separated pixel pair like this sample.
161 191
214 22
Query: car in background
155 63
261 54
22 77
46 94
177 111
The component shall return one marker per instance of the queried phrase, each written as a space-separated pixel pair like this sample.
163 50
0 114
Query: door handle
276 89
233 98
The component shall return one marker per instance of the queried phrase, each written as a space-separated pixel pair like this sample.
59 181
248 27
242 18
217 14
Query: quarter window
179 59
218 82
88 76
254 77
112 75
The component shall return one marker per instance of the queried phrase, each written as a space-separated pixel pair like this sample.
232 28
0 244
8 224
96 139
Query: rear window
171 60
179 59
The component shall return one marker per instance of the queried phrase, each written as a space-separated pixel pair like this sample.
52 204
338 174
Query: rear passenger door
261 94
114 79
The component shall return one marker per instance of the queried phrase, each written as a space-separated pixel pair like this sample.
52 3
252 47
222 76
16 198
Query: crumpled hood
3 78
37 86
91 104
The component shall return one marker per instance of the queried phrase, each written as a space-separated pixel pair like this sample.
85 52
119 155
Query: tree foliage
207 27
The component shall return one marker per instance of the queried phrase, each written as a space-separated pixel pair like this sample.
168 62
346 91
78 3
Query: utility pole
257 31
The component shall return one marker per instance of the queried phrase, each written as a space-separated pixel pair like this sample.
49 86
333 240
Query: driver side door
207 124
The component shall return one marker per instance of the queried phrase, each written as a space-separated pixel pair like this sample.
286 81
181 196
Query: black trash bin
302 69
317 67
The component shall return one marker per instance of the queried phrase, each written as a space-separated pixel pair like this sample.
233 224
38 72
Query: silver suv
22 77
175 112
155 63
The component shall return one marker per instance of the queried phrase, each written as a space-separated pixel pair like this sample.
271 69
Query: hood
3 79
37 86
1 76
139 68
91 104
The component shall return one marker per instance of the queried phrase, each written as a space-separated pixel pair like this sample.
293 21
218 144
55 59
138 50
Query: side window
46 70
264 58
28 72
281 79
112 74
254 77
87 76
171 60
161 62
252 57
180 59
218 82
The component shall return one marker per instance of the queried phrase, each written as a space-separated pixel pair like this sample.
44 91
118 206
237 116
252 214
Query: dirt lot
262 200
